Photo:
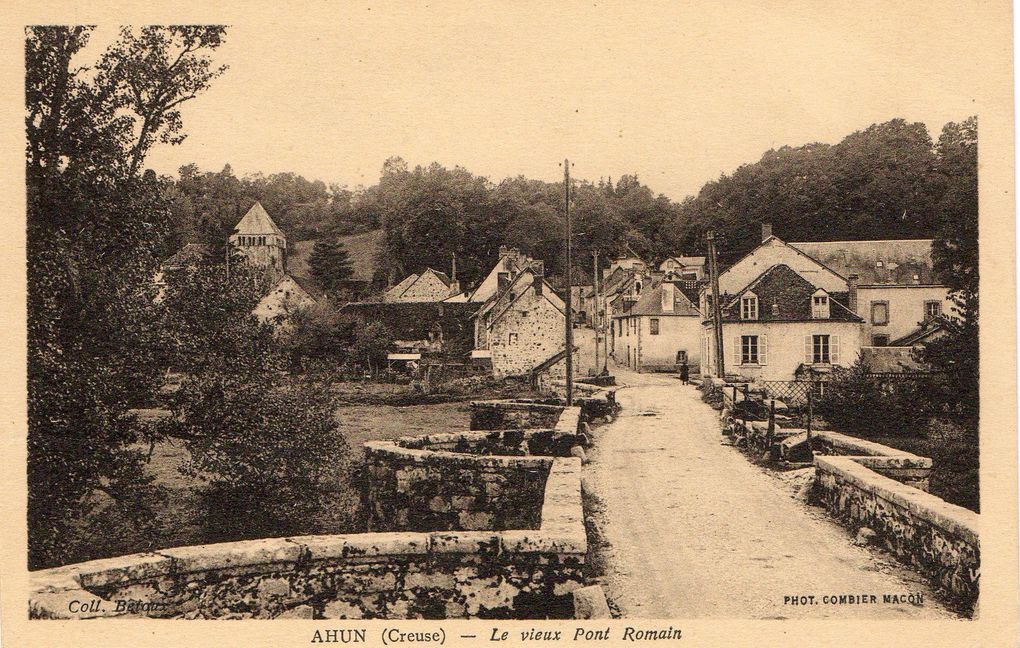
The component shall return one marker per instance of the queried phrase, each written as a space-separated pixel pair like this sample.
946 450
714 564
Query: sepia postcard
509 324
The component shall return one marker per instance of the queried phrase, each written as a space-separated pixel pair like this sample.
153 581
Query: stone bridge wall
493 536
514 414
418 490
500 574
867 484
938 538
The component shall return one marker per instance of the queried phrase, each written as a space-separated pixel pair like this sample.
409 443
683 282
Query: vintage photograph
427 315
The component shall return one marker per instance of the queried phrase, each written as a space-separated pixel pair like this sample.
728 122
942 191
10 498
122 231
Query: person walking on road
685 373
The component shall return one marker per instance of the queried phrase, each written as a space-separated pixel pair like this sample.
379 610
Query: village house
897 293
687 268
520 326
661 330
429 286
580 304
288 295
887 285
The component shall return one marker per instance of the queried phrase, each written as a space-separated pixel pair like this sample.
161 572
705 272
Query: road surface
696 530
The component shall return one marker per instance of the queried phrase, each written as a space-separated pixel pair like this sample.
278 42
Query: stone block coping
861 447
954 519
561 532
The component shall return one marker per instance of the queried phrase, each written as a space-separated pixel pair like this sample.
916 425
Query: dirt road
696 530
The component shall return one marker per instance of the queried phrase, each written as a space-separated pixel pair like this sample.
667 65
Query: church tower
258 238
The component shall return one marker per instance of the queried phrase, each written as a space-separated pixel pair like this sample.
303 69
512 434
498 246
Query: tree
955 262
331 264
96 227
371 344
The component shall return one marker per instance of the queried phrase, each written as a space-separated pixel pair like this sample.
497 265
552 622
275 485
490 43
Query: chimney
503 250
668 296
766 231
502 282
454 288
538 277
851 284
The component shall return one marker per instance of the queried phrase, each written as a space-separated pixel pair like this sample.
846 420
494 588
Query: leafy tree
371 345
320 333
331 264
274 454
95 231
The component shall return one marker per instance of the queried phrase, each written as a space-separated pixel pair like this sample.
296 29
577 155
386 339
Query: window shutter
763 349
808 350
834 349
736 351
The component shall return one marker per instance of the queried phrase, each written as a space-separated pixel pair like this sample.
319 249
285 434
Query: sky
676 93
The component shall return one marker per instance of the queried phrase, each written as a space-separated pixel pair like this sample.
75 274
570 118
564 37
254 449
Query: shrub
861 405
955 463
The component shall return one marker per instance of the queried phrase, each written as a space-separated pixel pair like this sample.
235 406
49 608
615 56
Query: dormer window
749 307
820 305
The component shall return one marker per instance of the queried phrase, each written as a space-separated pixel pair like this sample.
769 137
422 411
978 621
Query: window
820 349
511 338
653 326
749 308
932 309
879 313
879 340
748 349
820 307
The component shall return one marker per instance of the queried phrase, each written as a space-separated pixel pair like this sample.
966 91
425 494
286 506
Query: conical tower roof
257 221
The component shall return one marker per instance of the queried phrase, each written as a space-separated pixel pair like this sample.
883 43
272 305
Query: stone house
288 295
580 305
780 326
429 286
511 261
521 325
661 330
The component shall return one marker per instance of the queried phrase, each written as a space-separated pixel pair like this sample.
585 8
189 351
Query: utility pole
595 316
569 337
453 263
716 309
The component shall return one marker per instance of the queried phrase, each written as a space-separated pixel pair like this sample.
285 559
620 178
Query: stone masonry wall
938 538
508 574
525 559
417 490
514 414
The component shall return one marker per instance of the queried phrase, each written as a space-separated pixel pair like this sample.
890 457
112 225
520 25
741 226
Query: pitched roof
442 275
190 254
688 260
257 221
784 295
398 290
876 262
924 330
651 303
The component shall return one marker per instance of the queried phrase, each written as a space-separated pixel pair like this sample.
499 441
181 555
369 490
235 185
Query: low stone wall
938 538
902 466
867 484
496 574
514 414
555 442
418 490
470 532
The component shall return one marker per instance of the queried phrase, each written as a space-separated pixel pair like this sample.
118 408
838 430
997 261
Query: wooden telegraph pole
595 316
569 336
716 308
